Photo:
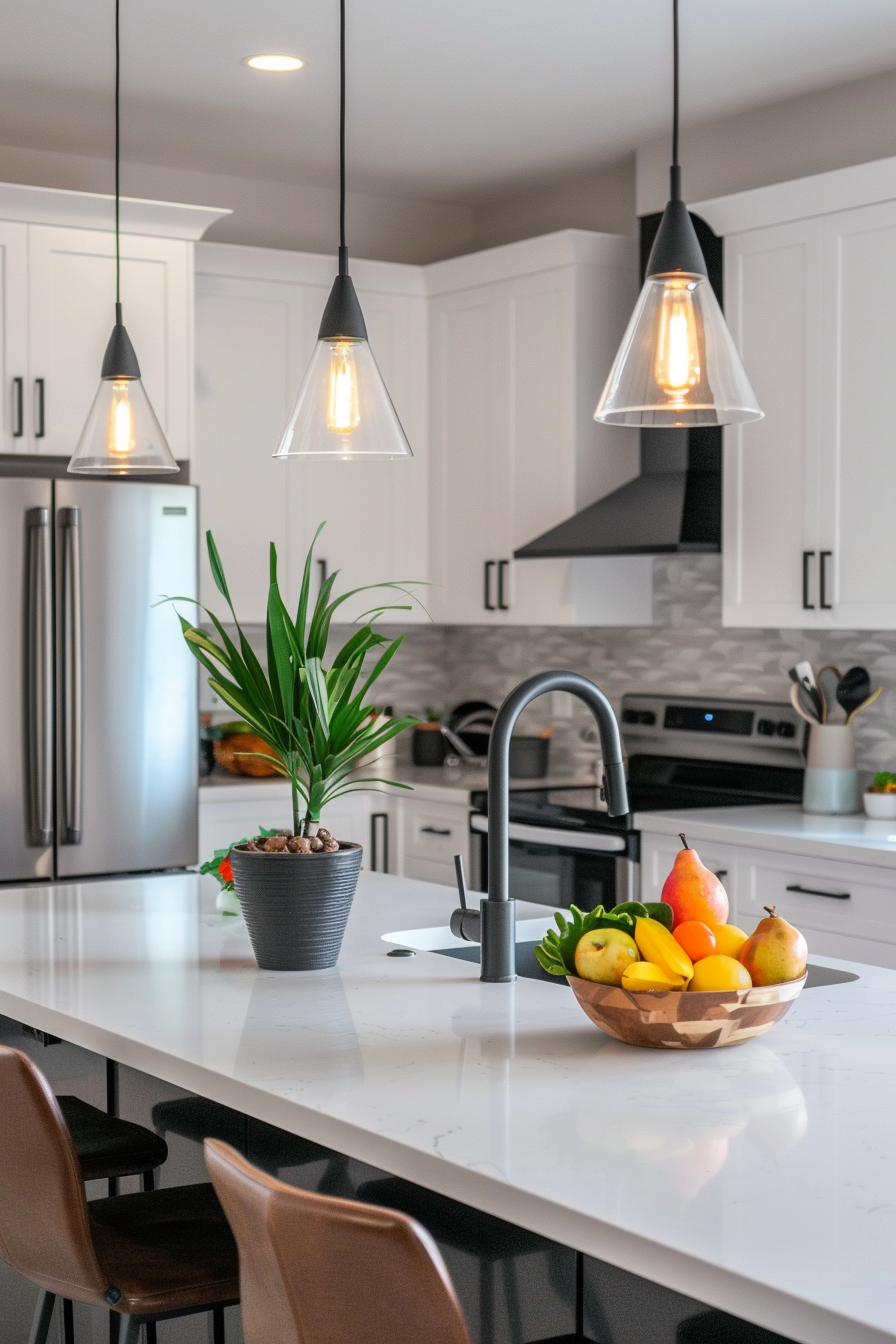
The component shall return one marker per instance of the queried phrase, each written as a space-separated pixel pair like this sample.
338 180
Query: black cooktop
656 784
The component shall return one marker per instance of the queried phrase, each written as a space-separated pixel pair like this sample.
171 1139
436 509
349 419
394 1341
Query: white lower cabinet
365 818
844 909
429 836
658 855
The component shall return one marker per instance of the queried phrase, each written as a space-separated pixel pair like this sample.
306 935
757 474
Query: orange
729 939
718 972
697 939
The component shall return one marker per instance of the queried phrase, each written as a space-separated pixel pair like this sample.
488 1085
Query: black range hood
676 502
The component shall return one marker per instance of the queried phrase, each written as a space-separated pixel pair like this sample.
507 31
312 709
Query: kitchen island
760 1179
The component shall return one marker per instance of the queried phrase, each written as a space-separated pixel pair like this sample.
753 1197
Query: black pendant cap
120 360
675 247
342 315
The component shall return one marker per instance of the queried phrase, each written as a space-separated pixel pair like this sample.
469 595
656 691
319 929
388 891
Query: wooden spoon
864 705
796 701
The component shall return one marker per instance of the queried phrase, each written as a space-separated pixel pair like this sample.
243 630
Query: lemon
720 972
729 939
646 975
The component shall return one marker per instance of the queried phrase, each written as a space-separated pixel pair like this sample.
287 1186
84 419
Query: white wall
602 200
832 128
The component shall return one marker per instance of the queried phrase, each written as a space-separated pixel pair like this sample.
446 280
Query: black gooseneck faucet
493 924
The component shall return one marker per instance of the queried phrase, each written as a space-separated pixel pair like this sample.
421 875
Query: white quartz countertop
436 784
760 1179
785 828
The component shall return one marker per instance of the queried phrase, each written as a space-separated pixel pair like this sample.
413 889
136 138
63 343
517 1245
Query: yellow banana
656 945
647 975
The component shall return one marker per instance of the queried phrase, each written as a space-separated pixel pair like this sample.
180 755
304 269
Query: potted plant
428 742
315 724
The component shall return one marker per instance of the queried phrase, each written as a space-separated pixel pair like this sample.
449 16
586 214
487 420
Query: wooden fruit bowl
684 1019
231 753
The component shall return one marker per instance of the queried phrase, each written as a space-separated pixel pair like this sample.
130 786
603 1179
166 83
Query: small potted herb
880 797
428 745
315 724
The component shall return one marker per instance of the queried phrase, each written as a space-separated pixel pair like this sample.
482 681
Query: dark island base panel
515 1287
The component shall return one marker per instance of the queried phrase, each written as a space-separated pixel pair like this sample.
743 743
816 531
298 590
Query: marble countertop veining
760 1179
784 828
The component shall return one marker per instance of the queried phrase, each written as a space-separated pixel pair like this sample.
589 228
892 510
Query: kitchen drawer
436 832
658 855
846 910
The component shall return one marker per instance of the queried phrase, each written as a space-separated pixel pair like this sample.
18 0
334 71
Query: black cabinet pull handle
39 412
721 872
18 410
810 891
434 830
487 600
807 605
823 557
503 566
379 864
322 566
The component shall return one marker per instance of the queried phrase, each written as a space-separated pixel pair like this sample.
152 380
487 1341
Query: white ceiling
463 100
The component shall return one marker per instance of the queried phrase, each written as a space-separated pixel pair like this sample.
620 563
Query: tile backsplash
686 651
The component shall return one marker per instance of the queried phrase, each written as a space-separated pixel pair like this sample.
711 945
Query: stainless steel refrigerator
98 692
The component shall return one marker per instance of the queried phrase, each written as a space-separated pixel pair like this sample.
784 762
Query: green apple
603 954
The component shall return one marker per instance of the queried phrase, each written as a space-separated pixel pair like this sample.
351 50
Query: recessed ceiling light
274 62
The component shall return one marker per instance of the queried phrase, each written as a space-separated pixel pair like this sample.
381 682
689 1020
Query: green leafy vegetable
661 912
557 950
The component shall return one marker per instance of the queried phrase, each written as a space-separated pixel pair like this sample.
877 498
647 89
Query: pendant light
343 408
122 436
677 365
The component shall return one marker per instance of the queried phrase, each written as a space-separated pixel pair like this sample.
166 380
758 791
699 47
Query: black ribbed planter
296 906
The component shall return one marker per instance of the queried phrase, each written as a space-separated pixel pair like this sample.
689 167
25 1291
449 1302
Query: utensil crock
831 783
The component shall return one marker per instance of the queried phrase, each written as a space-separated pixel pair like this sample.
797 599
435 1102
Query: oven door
563 868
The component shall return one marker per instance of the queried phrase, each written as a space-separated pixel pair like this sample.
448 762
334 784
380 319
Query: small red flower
225 871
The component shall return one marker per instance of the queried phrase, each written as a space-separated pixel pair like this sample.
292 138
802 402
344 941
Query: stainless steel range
683 751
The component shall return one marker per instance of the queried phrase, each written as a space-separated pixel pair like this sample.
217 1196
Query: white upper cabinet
257 316
521 340
58 297
810 491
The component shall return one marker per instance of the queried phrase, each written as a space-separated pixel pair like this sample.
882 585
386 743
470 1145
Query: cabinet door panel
15 426
470 426
860 356
71 284
249 348
771 481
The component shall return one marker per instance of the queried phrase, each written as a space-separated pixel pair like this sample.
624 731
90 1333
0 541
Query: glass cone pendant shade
343 408
122 436
677 364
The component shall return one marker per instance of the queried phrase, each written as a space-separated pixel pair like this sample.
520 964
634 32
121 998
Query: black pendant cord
343 250
118 161
675 173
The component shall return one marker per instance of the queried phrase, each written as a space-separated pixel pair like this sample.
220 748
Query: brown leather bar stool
149 1256
314 1267
317 1268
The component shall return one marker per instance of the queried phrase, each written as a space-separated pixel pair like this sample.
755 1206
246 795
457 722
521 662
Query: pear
693 891
774 952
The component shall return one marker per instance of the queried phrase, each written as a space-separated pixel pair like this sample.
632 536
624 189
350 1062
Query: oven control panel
763 731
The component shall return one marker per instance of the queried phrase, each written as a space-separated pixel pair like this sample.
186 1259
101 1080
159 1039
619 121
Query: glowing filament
121 435
677 367
342 390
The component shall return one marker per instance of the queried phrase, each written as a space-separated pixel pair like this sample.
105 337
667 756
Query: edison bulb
677 363
343 414
121 436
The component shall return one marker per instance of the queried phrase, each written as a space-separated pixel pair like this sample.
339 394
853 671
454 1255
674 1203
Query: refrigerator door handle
38 679
71 673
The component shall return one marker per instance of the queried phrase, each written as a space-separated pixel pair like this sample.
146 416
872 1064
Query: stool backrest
44 1227
330 1271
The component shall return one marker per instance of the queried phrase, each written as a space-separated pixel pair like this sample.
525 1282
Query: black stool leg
150 1332
217 1325
148 1180
43 1314
68 1322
